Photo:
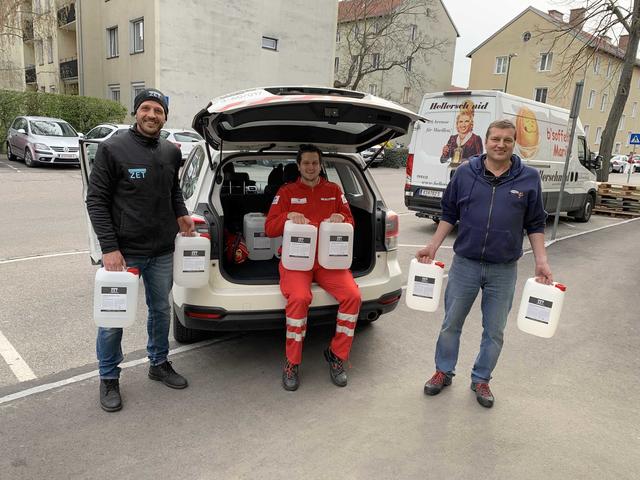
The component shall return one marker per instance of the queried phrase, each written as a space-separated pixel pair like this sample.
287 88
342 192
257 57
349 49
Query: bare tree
381 35
579 50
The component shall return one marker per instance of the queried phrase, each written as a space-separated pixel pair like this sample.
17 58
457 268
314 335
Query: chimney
623 42
556 14
576 17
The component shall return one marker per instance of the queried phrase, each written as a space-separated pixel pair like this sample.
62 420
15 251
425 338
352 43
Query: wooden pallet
614 213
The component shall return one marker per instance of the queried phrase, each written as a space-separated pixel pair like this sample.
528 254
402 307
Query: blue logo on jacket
137 173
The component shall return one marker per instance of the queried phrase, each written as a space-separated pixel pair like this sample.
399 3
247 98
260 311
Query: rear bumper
192 316
424 206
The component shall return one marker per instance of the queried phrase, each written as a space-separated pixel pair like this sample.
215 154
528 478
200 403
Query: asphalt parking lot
566 407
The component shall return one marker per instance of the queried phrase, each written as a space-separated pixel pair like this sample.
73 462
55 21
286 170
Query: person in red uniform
312 199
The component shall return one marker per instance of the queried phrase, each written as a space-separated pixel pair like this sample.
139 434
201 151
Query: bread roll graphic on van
527 133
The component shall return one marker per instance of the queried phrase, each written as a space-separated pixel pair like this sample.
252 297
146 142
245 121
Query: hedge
395 157
83 113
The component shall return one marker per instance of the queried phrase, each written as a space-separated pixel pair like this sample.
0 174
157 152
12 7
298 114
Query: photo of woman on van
465 143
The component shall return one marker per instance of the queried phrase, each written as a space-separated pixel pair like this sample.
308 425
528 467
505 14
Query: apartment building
526 58
367 22
192 51
43 56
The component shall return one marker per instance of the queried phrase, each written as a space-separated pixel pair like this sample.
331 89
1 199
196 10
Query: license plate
67 155
430 193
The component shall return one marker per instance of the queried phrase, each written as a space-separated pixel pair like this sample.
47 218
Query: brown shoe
436 383
483 394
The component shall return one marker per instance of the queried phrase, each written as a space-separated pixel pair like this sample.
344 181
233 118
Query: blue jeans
157 275
466 278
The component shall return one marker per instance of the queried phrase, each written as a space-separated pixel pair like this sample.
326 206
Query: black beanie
151 94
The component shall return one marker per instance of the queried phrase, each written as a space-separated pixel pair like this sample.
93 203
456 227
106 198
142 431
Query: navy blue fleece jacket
492 218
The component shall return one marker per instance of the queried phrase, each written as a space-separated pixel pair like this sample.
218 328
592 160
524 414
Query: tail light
391 230
409 170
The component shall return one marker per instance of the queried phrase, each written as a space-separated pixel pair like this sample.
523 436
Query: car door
19 140
86 162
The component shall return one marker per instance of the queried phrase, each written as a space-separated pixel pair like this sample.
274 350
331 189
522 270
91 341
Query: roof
376 8
585 37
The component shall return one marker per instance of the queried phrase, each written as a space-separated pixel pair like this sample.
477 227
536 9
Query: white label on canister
193 261
539 310
423 286
261 241
338 245
114 299
300 247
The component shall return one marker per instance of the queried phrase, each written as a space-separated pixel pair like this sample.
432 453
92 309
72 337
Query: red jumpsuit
317 204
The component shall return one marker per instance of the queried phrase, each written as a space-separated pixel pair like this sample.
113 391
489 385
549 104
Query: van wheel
584 214
183 334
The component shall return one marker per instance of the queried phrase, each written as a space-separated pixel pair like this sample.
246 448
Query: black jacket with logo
134 196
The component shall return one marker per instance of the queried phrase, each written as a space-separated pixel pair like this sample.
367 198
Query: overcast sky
477 20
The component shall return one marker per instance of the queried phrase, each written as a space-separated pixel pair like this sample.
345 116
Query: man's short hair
501 124
308 148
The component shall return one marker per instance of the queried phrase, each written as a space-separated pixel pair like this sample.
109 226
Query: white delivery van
455 131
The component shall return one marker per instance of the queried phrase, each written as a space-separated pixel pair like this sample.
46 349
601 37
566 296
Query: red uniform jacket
316 203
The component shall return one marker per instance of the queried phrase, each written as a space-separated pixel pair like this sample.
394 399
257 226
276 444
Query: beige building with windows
523 59
405 84
191 51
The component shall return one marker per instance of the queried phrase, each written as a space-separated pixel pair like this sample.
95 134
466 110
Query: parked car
40 140
102 132
368 154
184 139
253 137
634 163
618 163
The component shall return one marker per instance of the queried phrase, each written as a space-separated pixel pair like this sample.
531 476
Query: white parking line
38 257
11 166
16 363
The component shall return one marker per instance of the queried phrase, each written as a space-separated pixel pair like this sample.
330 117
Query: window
137 35
596 65
37 8
541 95
112 42
413 32
114 92
336 64
405 95
50 50
603 103
136 88
634 109
616 149
409 64
42 88
609 69
501 65
598 135
52 88
545 61
375 60
373 89
376 27
39 52
621 122
592 99
586 132
338 35
269 43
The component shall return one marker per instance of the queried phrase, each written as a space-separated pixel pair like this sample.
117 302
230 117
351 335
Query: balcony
27 31
30 74
67 17
69 69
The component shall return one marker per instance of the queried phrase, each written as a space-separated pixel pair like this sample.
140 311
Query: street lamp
506 80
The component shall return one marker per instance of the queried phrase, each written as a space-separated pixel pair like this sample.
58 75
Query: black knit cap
151 94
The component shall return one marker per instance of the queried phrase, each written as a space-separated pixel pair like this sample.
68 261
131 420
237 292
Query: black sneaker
336 369
437 382
290 378
166 374
110 400
483 394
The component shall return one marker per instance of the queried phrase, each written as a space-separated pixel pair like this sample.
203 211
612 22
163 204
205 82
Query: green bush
83 113
395 157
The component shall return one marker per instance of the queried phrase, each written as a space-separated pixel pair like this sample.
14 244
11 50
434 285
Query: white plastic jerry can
258 244
335 245
540 308
115 298
424 285
191 260
299 246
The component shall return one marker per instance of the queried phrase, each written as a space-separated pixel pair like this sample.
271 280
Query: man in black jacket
136 209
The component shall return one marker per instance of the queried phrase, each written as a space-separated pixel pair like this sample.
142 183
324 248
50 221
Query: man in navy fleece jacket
494 198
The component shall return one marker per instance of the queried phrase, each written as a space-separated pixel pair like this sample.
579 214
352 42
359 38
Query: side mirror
595 161
80 135
22 131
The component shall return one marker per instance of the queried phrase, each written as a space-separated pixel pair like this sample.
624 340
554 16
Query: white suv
258 132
